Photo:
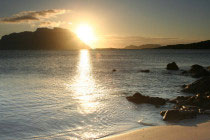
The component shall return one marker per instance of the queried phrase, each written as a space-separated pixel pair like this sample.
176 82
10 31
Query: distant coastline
63 39
197 45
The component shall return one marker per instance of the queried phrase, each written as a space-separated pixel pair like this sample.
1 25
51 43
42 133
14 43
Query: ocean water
75 94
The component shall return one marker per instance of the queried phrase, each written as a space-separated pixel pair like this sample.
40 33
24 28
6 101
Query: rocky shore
185 107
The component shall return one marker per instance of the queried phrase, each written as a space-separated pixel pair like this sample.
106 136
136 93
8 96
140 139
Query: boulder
114 70
175 114
190 108
207 112
172 66
208 68
162 113
198 101
200 86
184 86
145 71
140 99
198 71
179 99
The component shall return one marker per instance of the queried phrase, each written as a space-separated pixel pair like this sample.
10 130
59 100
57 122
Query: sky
116 23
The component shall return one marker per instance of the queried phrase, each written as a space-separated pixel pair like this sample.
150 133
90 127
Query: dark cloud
28 16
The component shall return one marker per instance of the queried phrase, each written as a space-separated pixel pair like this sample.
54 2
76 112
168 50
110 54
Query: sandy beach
172 132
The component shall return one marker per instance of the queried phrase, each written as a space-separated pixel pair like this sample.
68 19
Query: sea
82 94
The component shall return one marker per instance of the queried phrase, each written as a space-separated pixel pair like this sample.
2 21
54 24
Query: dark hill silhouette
42 39
146 46
198 45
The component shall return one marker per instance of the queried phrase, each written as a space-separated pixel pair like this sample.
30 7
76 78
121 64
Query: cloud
50 24
30 16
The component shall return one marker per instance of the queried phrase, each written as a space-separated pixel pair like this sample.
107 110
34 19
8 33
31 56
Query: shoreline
168 132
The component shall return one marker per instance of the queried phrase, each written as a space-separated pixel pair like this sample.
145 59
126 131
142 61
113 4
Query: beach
171 132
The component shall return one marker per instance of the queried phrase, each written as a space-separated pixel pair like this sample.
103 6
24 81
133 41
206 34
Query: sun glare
86 34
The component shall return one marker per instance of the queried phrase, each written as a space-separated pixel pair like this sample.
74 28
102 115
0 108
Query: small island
42 39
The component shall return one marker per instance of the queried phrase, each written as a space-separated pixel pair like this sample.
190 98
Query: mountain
146 46
42 39
198 45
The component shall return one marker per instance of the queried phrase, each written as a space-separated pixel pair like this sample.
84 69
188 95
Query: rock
200 86
190 108
162 113
140 99
145 71
198 71
207 112
198 101
175 114
114 70
184 86
208 68
179 99
185 72
172 66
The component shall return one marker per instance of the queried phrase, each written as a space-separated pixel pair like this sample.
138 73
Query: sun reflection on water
84 86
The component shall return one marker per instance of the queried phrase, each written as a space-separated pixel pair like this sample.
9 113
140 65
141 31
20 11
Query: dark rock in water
175 114
200 86
184 86
208 68
162 113
145 71
179 99
172 66
198 101
140 99
114 70
185 72
190 108
207 112
198 71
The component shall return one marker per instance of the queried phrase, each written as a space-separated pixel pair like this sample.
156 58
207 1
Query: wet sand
171 132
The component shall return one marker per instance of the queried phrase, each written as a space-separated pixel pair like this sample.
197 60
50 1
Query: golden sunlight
84 85
86 34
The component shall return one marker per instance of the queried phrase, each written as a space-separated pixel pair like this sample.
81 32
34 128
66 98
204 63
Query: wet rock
198 101
145 71
175 114
184 72
172 66
162 113
184 86
114 70
208 68
199 86
207 112
190 108
179 99
140 99
198 71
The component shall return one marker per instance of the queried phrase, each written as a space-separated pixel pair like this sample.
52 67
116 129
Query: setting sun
86 34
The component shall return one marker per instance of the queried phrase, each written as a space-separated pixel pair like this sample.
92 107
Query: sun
86 34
